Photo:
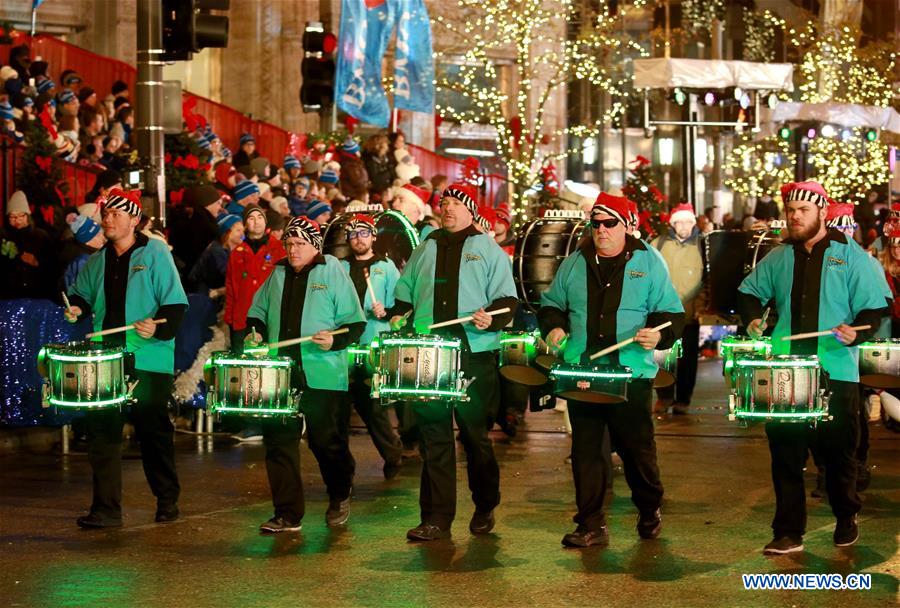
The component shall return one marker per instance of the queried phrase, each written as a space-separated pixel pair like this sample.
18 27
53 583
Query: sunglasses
610 223
362 233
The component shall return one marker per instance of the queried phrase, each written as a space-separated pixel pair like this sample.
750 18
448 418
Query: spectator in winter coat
208 274
378 165
247 151
249 265
26 253
88 238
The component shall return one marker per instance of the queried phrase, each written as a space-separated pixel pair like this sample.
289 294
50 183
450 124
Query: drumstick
293 341
466 319
610 349
824 332
116 330
66 302
371 289
765 316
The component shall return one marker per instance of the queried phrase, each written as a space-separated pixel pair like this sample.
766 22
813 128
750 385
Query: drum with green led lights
879 363
667 360
732 347
782 388
591 383
418 368
251 384
84 375
360 356
518 355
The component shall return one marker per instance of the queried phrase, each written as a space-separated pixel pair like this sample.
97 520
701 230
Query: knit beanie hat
84 228
18 203
226 221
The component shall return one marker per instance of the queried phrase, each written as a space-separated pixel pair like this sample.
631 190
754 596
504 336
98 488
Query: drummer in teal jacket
818 280
132 280
309 294
458 271
366 267
614 287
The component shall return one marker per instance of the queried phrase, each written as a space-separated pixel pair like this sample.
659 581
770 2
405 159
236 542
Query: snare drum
84 375
667 360
783 388
591 383
518 355
879 363
732 347
250 384
361 356
418 368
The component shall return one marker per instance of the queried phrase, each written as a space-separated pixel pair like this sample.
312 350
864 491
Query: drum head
334 239
587 397
397 237
663 379
546 362
524 375
880 381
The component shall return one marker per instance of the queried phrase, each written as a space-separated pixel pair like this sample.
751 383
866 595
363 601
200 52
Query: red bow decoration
350 122
298 145
47 121
515 127
44 162
47 212
659 196
176 196
167 158
640 160
188 162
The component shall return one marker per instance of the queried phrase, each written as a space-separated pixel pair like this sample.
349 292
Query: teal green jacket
850 284
330 302
647 289
384 276
485 275
152 282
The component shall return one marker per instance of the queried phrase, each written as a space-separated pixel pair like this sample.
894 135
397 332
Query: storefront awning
662 73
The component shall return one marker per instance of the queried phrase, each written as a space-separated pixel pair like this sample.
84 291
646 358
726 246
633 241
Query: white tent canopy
662 73
843 114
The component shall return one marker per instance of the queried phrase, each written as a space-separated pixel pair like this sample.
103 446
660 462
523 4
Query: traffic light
871 134
317 68
188 27
784 133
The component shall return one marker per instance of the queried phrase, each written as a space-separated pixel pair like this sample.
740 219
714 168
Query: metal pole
149 97
33 24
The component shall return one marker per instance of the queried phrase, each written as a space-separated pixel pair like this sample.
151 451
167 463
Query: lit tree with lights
546 58
833 68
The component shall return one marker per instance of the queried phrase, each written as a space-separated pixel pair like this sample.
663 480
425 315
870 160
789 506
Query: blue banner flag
413 61
366 28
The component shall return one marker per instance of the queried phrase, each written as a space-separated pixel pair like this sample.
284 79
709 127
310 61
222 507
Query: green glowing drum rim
667 360
251 384
518 354
879 364
591 383
423 367
84 375
781 388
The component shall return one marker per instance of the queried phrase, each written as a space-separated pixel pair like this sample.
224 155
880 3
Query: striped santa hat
811 192
615 206
305 229
127 201
464 193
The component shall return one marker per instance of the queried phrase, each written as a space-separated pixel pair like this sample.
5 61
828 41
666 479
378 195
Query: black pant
513 398
437 494
237 339
862 450
686 371
631 430
327 416
836 442
155 434
375 416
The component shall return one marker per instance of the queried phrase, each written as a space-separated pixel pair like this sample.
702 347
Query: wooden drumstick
293 341
371 289
117 330
623 343
466 319
66 302
824 332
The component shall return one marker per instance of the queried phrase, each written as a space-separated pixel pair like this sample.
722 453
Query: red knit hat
812 192
503 214
616 206
682 211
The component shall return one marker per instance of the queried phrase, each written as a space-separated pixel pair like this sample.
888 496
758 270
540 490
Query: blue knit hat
202 141
350 146
84 228
246 138
317 208
329 177
244 189
45 85
291 162
28 101
67 96
226 221
6 111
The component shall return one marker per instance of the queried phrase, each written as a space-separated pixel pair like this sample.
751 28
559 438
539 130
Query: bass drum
729 256
541 247
397 237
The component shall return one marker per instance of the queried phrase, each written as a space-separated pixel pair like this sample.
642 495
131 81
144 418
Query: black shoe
509 424
649 525
427 532
863 478
338 512
391 469
482 522
783 545
279 524
582 537
846 532
680 409
166 514
92 521
820 491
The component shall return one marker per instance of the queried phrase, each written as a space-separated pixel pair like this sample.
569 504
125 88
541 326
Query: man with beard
818 279
365 268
